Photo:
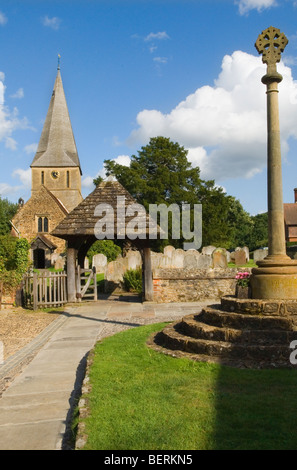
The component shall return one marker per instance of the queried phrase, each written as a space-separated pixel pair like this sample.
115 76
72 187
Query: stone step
172 339
190 326
220 318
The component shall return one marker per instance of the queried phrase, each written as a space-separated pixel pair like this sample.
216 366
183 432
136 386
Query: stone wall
192 285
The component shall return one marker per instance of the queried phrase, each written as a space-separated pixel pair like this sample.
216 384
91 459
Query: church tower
56 163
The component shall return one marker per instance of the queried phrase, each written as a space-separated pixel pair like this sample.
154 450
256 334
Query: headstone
219 258
208 250
204 262
191 259
247 252
115 271
134 260
100 262
177 260
60 263
168 251
240 257
260 254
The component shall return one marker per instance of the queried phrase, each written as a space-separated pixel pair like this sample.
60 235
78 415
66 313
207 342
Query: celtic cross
271 43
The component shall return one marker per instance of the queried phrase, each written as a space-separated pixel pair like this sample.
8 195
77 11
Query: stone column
276 275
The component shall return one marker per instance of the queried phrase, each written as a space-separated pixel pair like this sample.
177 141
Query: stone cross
271 43
276 275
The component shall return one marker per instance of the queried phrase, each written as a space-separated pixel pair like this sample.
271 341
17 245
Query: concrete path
36 408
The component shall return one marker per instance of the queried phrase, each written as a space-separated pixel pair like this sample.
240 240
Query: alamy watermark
132 221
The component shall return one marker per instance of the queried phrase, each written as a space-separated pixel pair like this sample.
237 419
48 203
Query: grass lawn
144 400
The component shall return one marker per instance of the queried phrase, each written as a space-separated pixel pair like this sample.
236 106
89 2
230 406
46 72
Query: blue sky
137 69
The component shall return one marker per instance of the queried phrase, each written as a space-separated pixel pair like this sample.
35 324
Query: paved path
36 407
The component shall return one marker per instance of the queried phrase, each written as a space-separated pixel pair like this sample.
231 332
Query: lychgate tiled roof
108 202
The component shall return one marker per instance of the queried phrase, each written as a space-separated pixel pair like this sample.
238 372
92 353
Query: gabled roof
44 241
290 213
82 220
57 146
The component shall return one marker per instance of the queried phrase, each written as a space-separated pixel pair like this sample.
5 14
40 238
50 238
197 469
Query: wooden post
71 269
95 283
147 275
35 291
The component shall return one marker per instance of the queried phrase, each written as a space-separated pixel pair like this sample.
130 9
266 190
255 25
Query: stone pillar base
275 278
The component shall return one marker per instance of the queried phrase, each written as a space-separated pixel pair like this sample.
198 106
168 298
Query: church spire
57 146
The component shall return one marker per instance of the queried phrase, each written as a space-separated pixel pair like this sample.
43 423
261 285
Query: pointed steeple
57 146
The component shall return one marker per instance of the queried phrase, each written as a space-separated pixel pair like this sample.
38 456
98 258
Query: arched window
68 179
40 224
42 177
45 224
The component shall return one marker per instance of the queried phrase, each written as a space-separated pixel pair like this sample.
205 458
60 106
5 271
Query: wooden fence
45 289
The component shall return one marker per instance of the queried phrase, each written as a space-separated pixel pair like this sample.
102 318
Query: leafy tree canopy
7 211
161 173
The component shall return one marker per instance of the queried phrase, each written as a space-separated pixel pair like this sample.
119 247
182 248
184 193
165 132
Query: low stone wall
181 285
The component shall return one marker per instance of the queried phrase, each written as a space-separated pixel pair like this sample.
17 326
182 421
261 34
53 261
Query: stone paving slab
35 409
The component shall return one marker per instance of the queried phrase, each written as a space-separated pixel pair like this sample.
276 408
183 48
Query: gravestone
204 262
177 259
191 259
260 254
99 262
133 259
219 258
169 251
240 257
208 250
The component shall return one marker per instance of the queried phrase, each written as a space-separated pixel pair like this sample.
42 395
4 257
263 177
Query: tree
162 173
7 211
106 247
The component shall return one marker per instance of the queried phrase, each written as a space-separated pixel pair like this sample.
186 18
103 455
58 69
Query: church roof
57 146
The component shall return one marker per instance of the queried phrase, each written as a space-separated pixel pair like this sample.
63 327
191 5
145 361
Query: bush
14 260
133 280
107 248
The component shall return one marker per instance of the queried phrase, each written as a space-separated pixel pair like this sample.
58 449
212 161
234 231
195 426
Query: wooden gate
45 289
86 284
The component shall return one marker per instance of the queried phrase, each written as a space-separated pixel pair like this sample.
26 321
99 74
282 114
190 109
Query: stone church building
56 184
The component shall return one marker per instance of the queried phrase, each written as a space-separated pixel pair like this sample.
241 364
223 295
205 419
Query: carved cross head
271 43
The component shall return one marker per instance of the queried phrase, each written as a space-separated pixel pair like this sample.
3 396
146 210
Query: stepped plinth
244 333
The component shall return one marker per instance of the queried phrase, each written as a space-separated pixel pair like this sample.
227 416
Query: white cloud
9 120
31 148
18 94
161 60
87 182
24 176
224 126
246 5
53 22
159 36
3 19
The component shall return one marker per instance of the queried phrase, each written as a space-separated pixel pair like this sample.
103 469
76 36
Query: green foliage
14 259
107 248
7 211
98 180
133 280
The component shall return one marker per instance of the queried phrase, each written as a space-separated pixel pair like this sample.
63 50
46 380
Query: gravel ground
18 327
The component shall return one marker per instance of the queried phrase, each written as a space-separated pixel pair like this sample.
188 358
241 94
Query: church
55 187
